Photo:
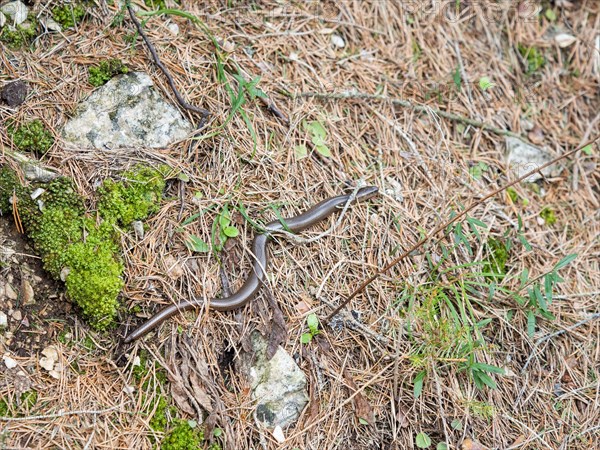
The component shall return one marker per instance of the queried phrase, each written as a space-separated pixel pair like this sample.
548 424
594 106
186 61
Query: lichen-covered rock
126 112
16 11
278 385
523 157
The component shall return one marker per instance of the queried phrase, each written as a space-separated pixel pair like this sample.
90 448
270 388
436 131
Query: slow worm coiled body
254 282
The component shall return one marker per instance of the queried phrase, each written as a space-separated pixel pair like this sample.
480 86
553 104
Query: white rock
129 389
17 315
523 158
138 228
37 192
278 434
51 24
17 12
2 19
11 294
3 319
9 362
64 273
54 374
337 41
173 28
47 363
50 352
136 361
565 40
126 112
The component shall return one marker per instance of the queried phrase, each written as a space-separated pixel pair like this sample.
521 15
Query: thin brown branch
204 113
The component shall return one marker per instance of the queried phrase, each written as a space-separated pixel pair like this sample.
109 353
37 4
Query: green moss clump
535 58
67 16
495 264
8 184
105 71
548 215
31 137
20 35
183 437
136 196
78 249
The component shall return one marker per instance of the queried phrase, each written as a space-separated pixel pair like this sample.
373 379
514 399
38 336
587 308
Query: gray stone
278 385
523 158
32 170
51 24
17 11
126 112
2 19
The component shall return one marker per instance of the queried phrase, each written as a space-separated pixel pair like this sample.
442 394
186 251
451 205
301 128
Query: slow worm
254 282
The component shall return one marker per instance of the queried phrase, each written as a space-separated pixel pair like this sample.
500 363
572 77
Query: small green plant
222 230
31 137
313 329
105 71
548 215
495 265
534 57
318 137
68 15
476 171
485 83
20 35
423 440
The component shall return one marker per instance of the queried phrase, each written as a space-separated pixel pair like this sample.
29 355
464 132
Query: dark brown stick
204 113
443 226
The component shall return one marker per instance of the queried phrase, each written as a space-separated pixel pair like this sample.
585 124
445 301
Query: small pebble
47 363
138 228
3 319
337 41
17 315
173 28
9 362
27 293
10 292
51 353
278 434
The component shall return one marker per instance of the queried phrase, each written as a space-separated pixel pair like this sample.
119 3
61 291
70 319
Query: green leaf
457 78
418 383
183 177
485 83
548 284
488 368
301 151
423 440
313 323
195 244
541 301
524 276
192 423
224 220
524 241
217 432
482 378
550 15
456 424
441 446
323 150
530 323
231 231
306 338
363 421
317 129
565 261
587 150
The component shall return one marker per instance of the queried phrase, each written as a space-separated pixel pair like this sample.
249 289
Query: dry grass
553 404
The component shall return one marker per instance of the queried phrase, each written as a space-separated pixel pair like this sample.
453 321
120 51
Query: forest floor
460 344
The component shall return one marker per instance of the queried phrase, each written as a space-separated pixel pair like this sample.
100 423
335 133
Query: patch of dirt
33 321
